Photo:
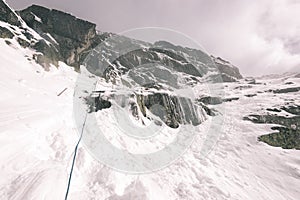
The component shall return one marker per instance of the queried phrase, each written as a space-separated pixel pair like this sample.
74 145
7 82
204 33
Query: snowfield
38 136
37 131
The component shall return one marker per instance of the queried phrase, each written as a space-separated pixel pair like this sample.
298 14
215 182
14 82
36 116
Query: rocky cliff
161 67
68 39
8 15
69 35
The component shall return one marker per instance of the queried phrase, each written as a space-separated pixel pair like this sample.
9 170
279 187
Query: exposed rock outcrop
229 72
287 135
211 100
208 100
69 39
69 35
5 33
172 110
287 90
96 103
7 15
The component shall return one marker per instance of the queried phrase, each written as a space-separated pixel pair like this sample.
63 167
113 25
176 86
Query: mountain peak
64 37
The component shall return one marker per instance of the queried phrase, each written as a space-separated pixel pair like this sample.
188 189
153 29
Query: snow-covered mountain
200 130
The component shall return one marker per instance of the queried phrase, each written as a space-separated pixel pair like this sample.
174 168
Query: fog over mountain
260 37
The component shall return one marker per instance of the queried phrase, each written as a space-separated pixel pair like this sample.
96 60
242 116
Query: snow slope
36 129
38 136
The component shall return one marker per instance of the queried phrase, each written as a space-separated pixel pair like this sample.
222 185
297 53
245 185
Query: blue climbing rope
74 158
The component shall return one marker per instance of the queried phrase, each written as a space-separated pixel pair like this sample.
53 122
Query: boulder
211 100
5 33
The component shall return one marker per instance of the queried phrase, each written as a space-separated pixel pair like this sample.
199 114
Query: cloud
259 36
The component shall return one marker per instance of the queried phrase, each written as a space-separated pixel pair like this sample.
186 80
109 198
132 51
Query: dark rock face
250 80
273 119
211 100
273 109
242 87
216 100
97 102
171 110
7 15
228 78
231 99
288 136
287 90
72 35
250 95
69 39
23 42
229 72
50 54
289 83
285 138
5 33
151 55
209 111
191 62
295 109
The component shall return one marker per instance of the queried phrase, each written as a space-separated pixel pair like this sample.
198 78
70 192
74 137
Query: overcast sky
258 36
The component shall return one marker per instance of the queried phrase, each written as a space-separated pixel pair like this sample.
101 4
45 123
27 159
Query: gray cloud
259 36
